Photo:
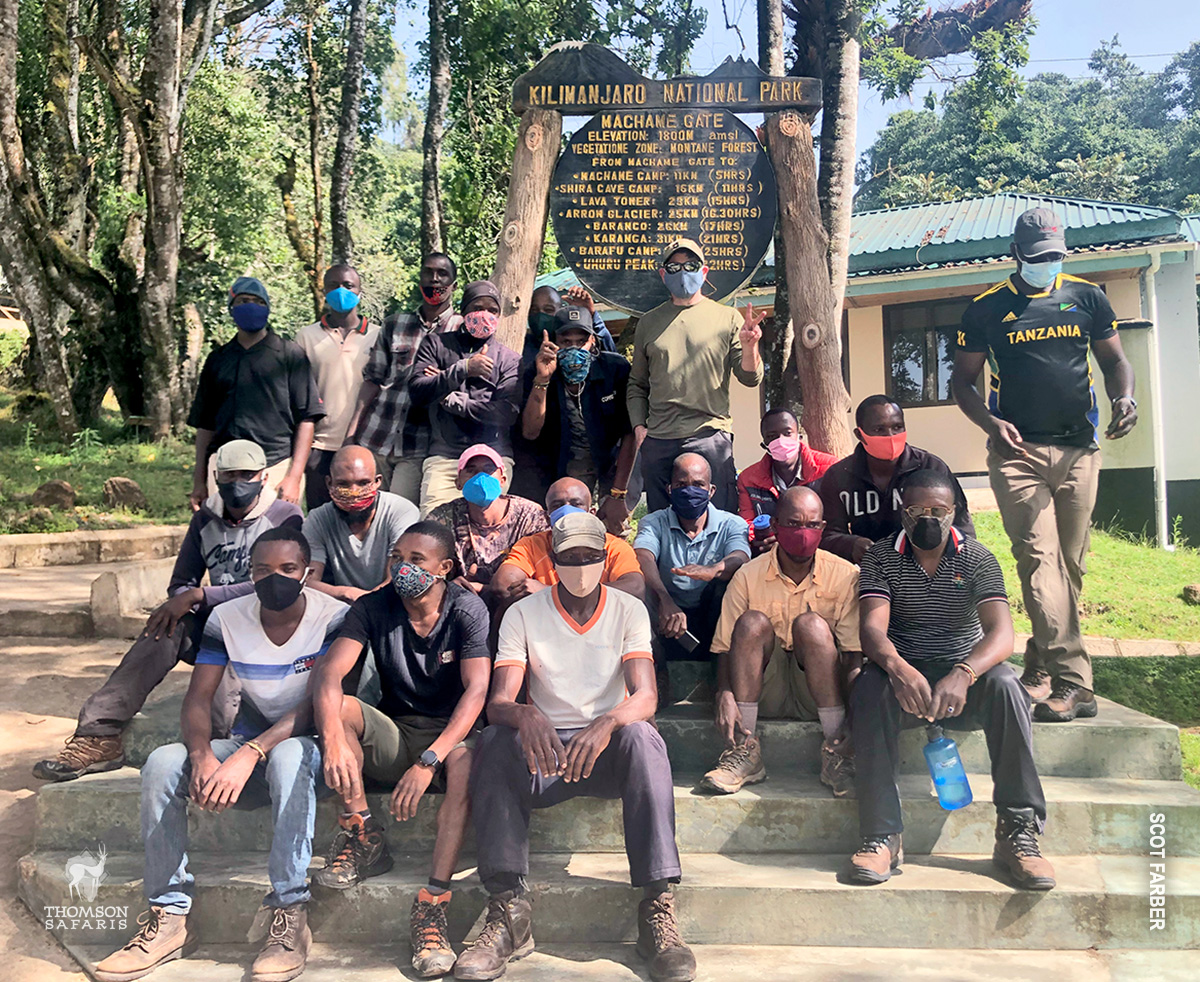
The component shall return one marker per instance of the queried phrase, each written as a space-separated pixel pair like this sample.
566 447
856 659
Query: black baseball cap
1039 232
568 317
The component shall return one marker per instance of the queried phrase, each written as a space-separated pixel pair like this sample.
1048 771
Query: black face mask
239 494
927 532
278 592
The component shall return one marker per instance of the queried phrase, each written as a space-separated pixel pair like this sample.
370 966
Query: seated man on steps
218 541
584 651
787 646
269 641
937 631
429 638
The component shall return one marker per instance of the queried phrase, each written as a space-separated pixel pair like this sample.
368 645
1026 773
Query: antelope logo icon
85 873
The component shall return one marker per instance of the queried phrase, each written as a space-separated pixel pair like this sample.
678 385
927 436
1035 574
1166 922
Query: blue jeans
289 782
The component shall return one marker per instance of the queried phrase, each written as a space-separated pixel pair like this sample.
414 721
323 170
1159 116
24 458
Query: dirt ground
43 682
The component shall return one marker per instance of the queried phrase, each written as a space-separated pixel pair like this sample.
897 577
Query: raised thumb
483 350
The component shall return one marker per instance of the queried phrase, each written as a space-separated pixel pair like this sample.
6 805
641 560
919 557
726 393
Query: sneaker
163 937
285 952
506 936
1068 701
1037 684
877 858
837 772
1016 854
359 851
82 755
660 943
432 955
736 767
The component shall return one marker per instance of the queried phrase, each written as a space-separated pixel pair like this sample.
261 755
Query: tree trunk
817 347
524 233
316 281
343 154
432 233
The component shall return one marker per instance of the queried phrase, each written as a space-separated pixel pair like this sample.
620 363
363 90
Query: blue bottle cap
762 521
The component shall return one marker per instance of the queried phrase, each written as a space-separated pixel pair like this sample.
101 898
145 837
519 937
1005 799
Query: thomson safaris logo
85 874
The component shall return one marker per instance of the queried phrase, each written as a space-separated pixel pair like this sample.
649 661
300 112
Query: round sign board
631 182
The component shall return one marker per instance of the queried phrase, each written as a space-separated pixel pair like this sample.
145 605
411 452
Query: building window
919 345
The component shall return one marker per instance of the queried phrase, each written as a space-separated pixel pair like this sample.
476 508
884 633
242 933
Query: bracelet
262 754
618 493
541 385
969 670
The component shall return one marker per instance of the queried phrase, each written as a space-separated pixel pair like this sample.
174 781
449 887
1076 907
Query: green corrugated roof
1191 227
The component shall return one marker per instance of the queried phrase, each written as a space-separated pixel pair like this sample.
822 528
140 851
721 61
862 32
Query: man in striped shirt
936 632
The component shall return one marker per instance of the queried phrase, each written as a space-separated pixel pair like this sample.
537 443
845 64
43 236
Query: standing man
385 420
684 352
257 387
337 347
1043 450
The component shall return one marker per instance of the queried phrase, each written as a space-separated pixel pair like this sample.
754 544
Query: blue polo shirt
661 535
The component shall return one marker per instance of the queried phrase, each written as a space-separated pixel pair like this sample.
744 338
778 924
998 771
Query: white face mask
1041 275
580 581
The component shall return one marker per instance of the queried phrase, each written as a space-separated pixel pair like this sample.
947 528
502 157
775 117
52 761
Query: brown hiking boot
1067 702
506 936
660 943
163 937
286 950
82 755
736 767
837 772
1016 854
432 955
1037 684
359 851
877 858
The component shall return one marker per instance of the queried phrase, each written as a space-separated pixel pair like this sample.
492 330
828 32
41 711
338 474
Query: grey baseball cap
568 317
1039 232
241 455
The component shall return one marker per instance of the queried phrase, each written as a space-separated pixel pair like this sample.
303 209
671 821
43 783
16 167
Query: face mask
482 490
684 284
927 532
250 316
562 510
884 447
348 500
239 494
435 296
341 300
279 592
798 543
411 581
574 363
690 501
481 324
580 581
541 321
784 449
1040 275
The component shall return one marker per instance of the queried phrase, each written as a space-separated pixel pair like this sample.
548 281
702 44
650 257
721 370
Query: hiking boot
82 755
1016 854
877 858
1065 703
163 937
837 772
286 950
359 851
1037 684
660 943
506 936
736 767
432 955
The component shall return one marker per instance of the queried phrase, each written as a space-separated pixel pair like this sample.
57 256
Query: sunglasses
692 266
916 511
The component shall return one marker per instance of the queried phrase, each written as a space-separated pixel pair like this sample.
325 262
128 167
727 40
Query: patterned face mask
574 363
411 581
353 499
481 324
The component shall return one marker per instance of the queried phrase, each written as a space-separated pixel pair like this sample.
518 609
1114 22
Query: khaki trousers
1046 503
439 476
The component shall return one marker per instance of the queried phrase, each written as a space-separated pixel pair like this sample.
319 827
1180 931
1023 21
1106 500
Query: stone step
786 813
937 902
49 601
714 963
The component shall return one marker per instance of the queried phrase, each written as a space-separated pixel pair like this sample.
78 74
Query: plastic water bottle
761 526
946 769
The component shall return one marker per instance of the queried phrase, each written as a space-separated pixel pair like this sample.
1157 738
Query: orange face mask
884 447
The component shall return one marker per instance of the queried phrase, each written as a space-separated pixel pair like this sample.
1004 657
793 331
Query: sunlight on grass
1190 742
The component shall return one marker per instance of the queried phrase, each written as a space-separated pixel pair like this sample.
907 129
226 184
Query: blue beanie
248 285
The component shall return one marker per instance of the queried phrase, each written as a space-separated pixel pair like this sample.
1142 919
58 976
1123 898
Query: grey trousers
633 767
124 692
715 446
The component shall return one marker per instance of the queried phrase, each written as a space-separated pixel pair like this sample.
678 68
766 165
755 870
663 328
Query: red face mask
884 447
351 500
798 543
435 296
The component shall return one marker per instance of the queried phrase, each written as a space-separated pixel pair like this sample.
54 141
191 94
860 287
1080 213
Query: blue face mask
689 502
1041 275
684 284
574 363
562 510
481 490
250 316
341 300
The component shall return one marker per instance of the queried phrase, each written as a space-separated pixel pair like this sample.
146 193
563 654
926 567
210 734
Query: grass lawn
1190 741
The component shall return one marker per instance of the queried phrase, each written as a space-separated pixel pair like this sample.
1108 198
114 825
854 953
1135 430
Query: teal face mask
1041 275
541 321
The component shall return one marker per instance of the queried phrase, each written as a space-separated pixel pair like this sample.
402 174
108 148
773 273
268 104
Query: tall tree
432 220
347 133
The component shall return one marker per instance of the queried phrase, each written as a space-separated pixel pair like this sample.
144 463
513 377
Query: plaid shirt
390 426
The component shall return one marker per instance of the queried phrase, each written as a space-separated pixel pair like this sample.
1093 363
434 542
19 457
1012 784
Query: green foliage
12 343
1189 743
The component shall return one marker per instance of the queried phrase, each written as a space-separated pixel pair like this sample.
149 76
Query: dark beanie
249 286
477 289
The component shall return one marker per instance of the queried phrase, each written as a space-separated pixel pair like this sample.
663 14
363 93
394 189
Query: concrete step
786 813
50 601
937 902
715 963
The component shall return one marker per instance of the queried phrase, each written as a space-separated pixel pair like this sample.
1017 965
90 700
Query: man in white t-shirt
585 652
269 640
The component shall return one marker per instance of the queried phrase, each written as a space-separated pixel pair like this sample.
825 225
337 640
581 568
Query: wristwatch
429 759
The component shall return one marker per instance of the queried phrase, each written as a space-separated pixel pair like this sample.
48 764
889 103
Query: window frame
892 313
